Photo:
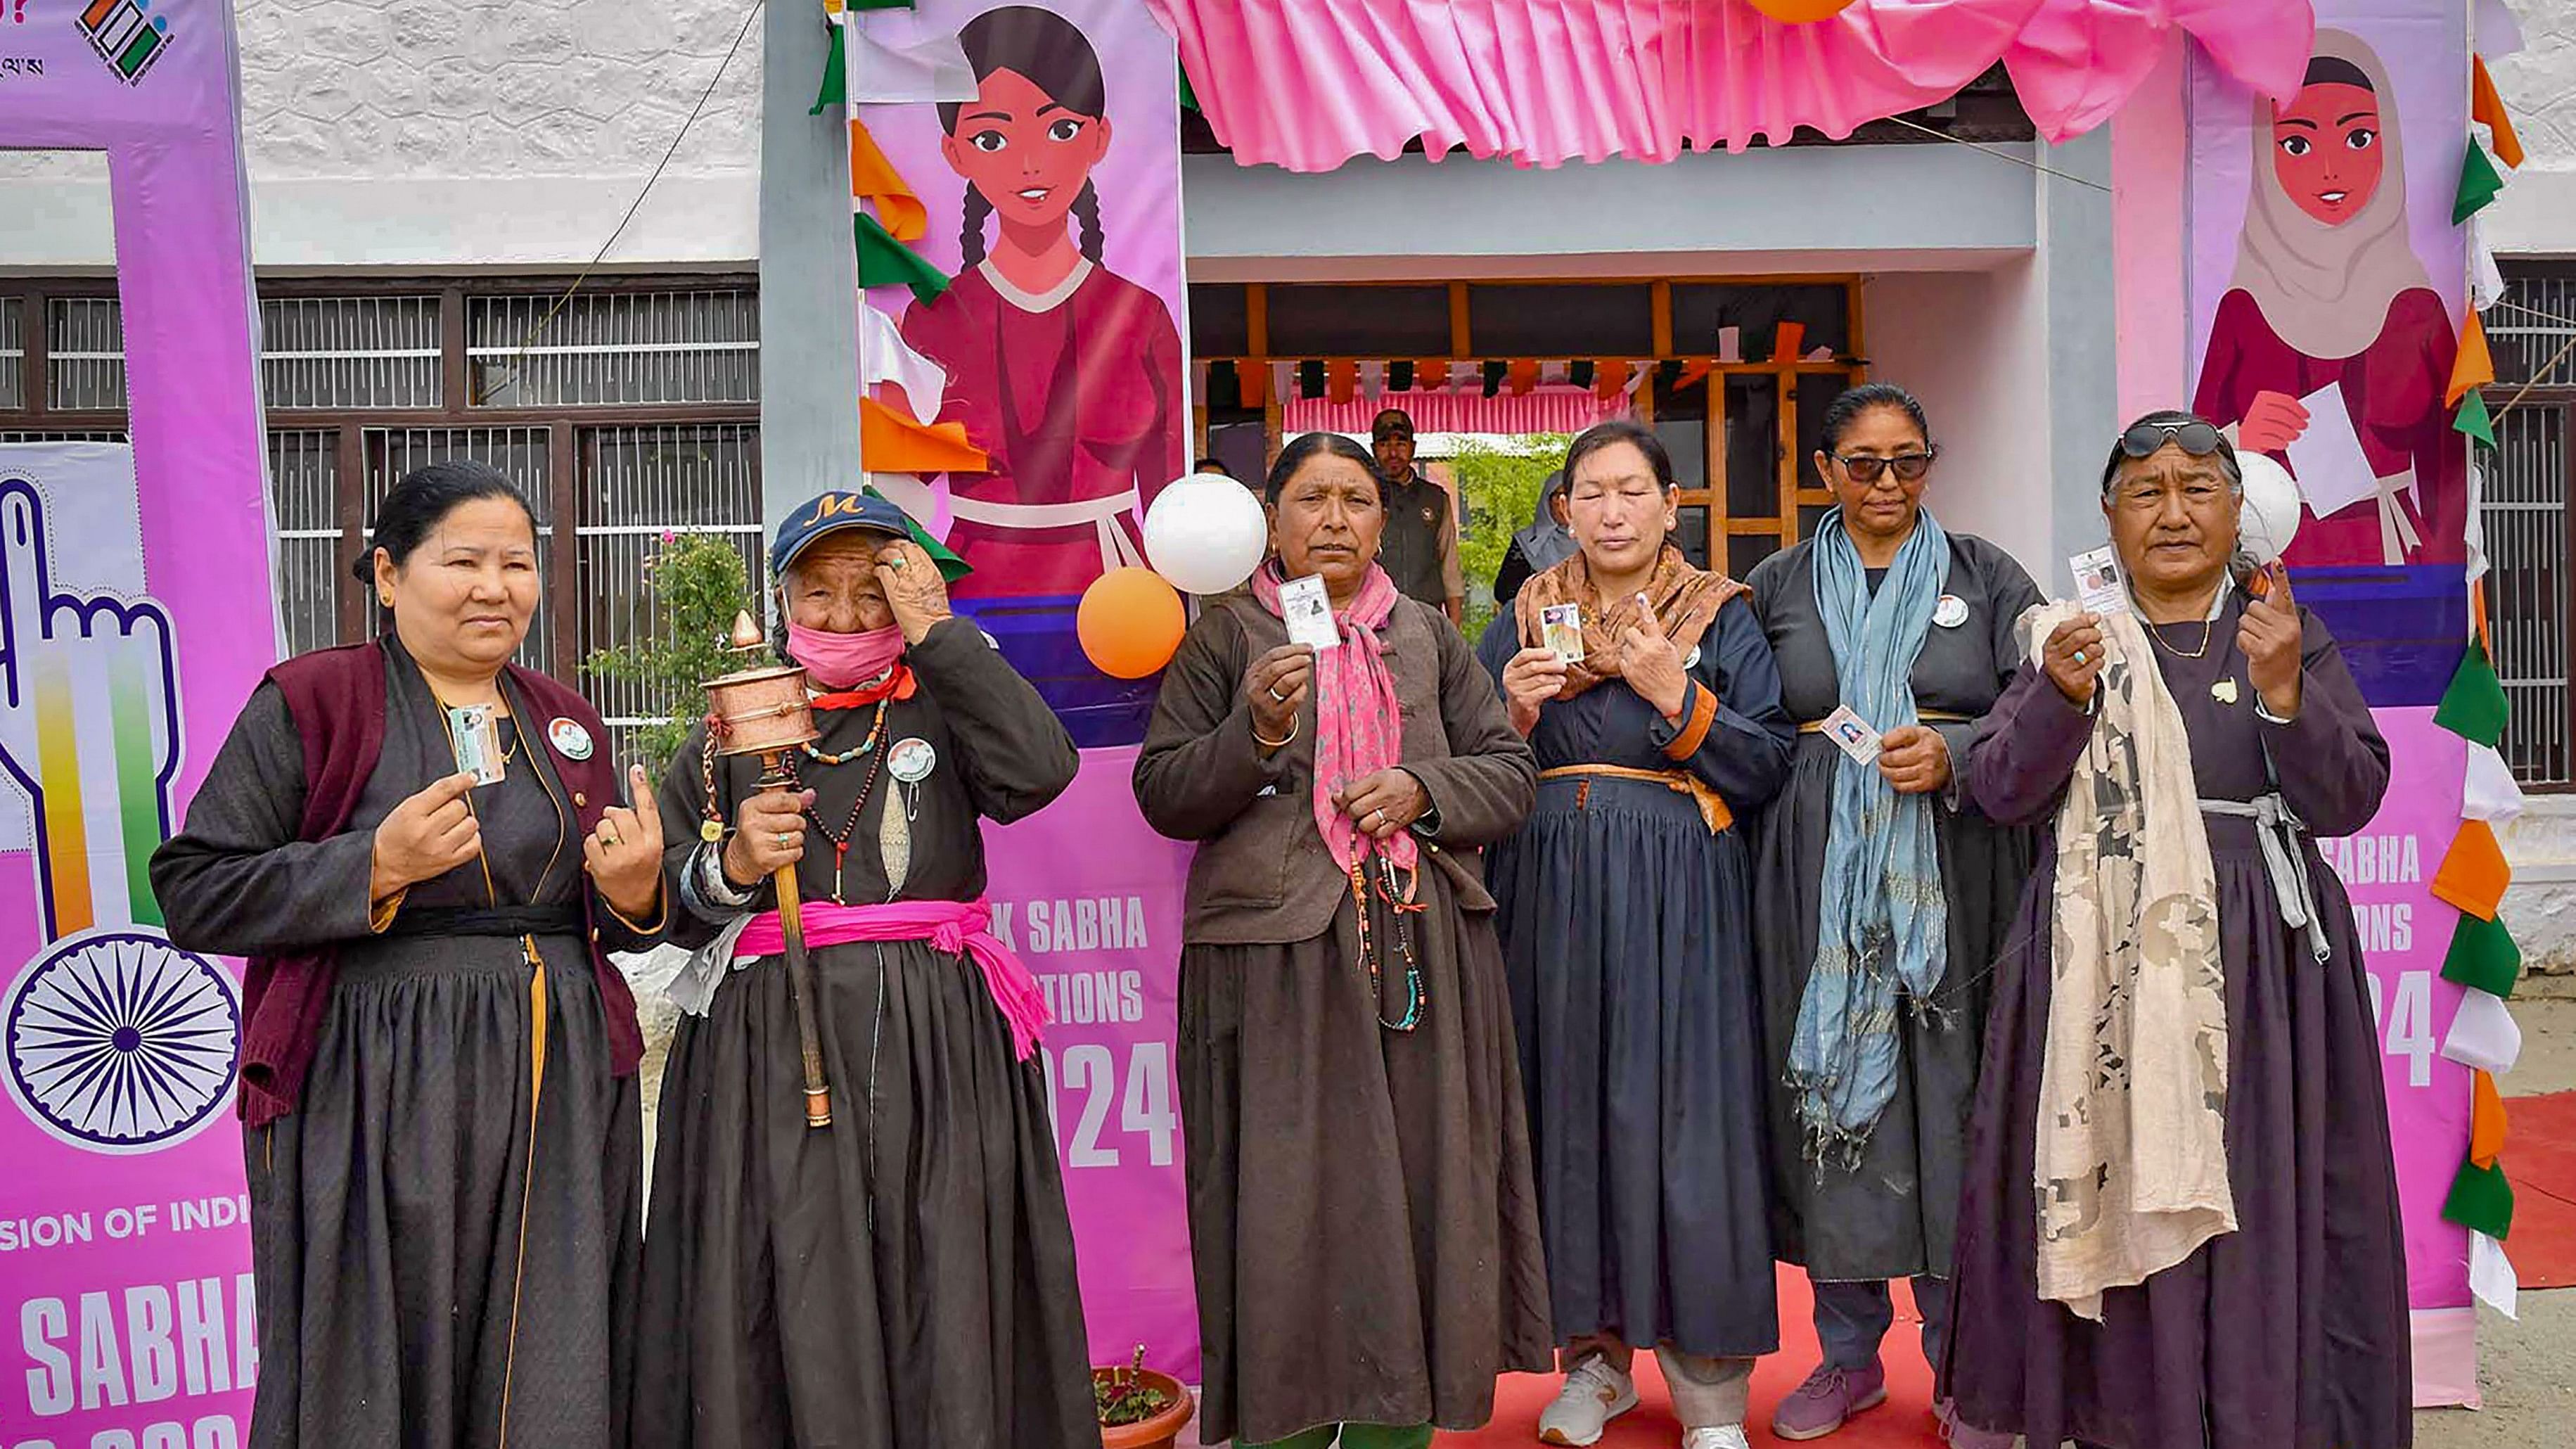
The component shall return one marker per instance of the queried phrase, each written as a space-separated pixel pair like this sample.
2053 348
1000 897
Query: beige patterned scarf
2131 1159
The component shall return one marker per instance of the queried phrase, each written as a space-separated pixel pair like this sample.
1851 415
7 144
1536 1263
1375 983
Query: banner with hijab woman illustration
1041 148
1048 169
2327 287
2327 290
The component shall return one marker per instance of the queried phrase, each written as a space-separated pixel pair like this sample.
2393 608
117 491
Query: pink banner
136 618
1090 896
2388 870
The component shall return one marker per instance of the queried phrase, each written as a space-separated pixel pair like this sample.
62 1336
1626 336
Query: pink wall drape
1309 84
1462 410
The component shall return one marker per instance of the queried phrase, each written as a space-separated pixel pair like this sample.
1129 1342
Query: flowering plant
697 584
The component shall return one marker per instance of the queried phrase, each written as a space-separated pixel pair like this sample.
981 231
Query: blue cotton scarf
1883 922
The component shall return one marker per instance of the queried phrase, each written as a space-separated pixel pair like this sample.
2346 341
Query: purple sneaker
1827 1400
1968 1436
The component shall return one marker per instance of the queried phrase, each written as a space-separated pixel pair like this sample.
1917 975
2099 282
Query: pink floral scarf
1358 728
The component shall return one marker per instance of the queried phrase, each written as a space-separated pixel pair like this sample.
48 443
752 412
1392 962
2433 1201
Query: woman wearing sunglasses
2180 1224
1882 891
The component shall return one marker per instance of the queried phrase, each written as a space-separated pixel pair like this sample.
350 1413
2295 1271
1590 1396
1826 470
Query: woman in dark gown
2286 1329
1361 1216
1627 928
443 1137
903 1278
1866 1159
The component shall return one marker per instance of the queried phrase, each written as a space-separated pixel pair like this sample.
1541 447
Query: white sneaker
1730 1436
1594 1394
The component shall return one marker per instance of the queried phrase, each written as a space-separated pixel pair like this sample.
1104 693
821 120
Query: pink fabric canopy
1458 410
1308 84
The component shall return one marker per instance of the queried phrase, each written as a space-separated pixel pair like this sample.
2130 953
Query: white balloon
1206 533
2271 515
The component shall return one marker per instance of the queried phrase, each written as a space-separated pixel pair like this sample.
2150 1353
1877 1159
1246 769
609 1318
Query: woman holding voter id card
2179 1228
1648 692
422 850
1361 1217
1884 892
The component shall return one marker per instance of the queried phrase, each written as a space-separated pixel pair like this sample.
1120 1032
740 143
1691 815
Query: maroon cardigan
337 700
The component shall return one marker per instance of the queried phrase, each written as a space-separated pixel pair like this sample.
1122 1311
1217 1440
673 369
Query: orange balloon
1800 12
1129 622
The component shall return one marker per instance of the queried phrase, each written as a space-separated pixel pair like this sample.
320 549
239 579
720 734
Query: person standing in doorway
1420 551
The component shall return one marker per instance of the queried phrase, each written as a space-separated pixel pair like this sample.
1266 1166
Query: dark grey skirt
903 1279
1362 1225
2289 1333
1896 1214
425 1279
1627 937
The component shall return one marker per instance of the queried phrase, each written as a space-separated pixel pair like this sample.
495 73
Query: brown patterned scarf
1685 600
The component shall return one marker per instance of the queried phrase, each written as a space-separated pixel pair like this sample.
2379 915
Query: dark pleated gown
436 1264
1628 941
903 1279
1364 1232
2292 1331
1895 1213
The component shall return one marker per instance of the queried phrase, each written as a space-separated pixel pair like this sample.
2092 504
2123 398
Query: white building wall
2536 215
463 133
1971 347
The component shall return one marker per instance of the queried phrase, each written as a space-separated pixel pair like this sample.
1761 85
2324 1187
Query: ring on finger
786 838
1275 694
2079 656
607 837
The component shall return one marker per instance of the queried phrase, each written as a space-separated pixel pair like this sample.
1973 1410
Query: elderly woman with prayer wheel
2180 1223
421 849
1359 1184
1628 934
903 1277
1884 892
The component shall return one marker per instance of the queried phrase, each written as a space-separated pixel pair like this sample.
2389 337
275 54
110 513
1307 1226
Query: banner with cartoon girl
1039 146
1017 168
2327 285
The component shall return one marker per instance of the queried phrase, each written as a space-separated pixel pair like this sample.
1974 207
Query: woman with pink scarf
1361 1216
903 1278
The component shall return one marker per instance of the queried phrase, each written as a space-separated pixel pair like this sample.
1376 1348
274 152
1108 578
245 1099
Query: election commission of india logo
116 1041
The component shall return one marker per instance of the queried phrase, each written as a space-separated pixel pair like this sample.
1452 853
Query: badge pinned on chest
1950 611
911 760
568 737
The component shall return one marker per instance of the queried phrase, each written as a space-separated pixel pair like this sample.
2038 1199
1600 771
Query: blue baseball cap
854 508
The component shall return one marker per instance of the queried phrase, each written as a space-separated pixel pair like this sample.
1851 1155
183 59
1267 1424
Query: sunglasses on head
2196 438
1863 468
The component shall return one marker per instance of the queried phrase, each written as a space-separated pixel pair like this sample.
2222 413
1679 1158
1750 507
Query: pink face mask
837 661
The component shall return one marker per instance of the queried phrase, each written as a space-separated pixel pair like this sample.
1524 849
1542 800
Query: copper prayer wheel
761 710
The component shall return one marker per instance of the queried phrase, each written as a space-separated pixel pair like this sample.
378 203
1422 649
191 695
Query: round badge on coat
1950 612
570 740
911 760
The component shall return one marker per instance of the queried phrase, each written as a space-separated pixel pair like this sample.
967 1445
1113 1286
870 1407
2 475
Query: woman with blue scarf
1882 892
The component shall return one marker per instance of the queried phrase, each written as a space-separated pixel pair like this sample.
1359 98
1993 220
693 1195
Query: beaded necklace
849 828
1402 906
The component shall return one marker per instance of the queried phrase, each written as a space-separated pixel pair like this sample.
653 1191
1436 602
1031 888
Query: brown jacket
1262 873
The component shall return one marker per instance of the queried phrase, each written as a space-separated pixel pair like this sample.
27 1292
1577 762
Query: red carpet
1905 1419
2540 1158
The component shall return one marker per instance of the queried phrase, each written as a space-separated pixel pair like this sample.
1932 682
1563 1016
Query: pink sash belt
952 927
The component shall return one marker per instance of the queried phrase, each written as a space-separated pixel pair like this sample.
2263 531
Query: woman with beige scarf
2180 1226
1627 924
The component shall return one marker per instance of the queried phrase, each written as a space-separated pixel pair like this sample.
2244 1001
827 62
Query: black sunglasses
1863 468
2197 438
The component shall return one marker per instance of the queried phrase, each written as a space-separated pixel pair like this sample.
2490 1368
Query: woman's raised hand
1275 688
1530 680
424 838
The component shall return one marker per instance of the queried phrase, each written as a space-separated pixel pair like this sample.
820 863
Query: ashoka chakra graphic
120 1042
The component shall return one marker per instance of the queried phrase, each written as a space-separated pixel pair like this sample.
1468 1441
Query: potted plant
1139 1408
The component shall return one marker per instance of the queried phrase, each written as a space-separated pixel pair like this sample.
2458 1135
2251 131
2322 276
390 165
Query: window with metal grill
2524 506
635 348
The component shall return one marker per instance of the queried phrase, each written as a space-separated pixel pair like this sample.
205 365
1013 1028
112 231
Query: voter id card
1852 735
2099 583
476 729
1308 613
1561 631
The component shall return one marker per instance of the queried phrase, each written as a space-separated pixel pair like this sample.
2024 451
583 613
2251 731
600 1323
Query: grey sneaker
1594 1394
1827 1400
